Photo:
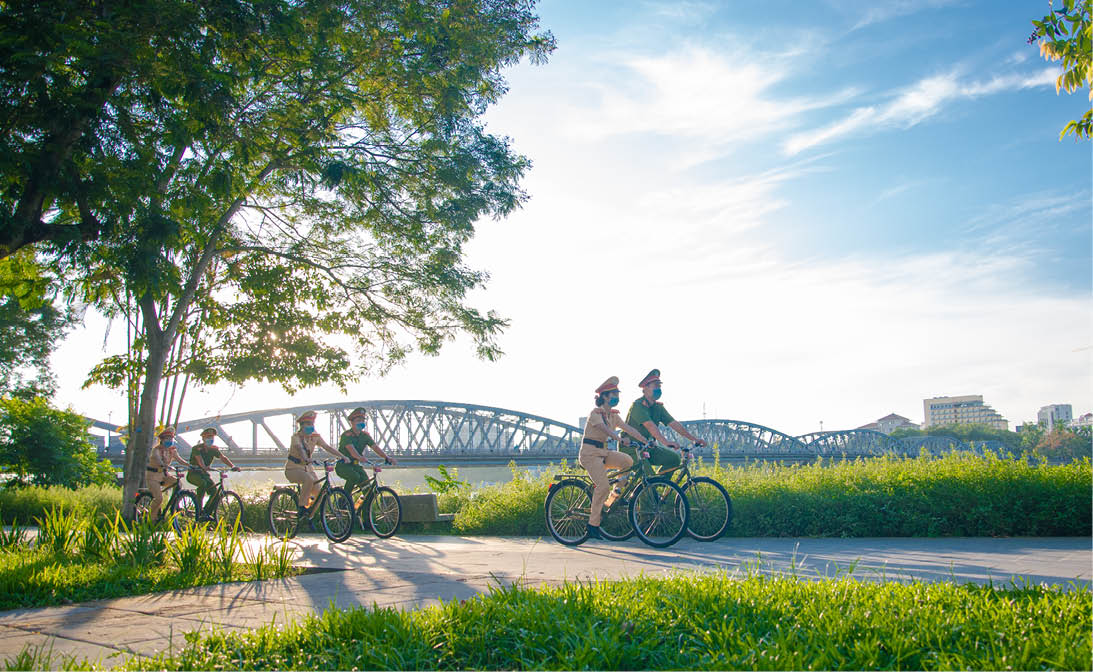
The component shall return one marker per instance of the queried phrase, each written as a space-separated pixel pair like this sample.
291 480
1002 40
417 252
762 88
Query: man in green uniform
352 444
646 413
201 458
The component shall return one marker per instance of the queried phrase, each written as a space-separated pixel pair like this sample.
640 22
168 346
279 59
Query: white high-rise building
966 410
1049 415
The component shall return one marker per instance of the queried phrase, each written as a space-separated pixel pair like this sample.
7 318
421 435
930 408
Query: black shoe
594 532
301 513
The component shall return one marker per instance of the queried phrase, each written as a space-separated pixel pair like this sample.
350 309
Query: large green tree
30 326
75 77
1066 34
305 222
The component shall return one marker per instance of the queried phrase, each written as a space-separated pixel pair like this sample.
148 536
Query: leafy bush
43 445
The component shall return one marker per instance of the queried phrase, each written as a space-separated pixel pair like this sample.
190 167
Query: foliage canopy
1066 35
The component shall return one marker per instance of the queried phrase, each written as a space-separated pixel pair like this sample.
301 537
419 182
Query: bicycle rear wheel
336 512
711 508
659 512
384 512
229 509
568 504
615 523
281 514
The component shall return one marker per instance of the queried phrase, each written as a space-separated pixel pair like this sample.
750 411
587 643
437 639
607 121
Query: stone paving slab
417 571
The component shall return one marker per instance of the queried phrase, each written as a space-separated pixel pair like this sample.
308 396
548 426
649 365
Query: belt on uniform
593 442
152 469
292 458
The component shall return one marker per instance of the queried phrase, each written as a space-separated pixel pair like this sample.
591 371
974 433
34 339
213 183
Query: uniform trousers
596 461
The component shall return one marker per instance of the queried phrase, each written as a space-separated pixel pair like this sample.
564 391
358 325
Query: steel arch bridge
404 428
737 437
431 430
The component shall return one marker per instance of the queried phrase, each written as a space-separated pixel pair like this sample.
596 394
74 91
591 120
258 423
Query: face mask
308 429
168 442
613 401
656 394
209 441
360 426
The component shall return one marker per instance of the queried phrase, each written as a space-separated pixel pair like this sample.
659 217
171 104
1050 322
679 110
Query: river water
402 479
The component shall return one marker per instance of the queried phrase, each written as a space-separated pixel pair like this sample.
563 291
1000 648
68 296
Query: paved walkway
419 570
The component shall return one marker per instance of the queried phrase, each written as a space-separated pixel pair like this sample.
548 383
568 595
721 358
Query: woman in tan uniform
163 454
298 468
595 456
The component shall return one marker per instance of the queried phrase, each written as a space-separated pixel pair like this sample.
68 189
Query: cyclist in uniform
163 454
595 456
201 458
298 467
351 445
646 413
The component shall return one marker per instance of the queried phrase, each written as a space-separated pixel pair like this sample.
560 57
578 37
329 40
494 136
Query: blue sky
798 211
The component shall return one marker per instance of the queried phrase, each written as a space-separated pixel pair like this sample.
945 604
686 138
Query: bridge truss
431 430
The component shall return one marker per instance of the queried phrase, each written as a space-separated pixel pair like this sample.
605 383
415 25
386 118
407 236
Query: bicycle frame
640 467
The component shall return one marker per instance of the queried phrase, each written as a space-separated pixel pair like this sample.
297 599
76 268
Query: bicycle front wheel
281 514
336 511
142 507
229 510
568 504
711 508
384 512
659 513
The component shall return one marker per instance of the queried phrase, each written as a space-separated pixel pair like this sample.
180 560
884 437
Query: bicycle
711 506
228 505
333 502
656 509
379 507
182 503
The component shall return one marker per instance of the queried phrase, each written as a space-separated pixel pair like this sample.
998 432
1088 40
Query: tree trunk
142 436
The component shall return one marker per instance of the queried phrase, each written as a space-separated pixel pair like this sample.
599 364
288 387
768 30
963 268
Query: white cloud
697 93
915 104
879 11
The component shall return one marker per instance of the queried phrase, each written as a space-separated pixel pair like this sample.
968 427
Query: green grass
77 557
25 504
681 622
960 494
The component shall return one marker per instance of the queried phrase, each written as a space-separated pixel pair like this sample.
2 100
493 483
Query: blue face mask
360 426
168 442
309 429
613 401
208 441
656 394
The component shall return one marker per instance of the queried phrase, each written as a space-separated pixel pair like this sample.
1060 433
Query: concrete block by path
422 509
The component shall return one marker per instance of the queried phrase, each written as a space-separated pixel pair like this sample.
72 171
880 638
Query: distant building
1083 420
966 410
1049 415
890 423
